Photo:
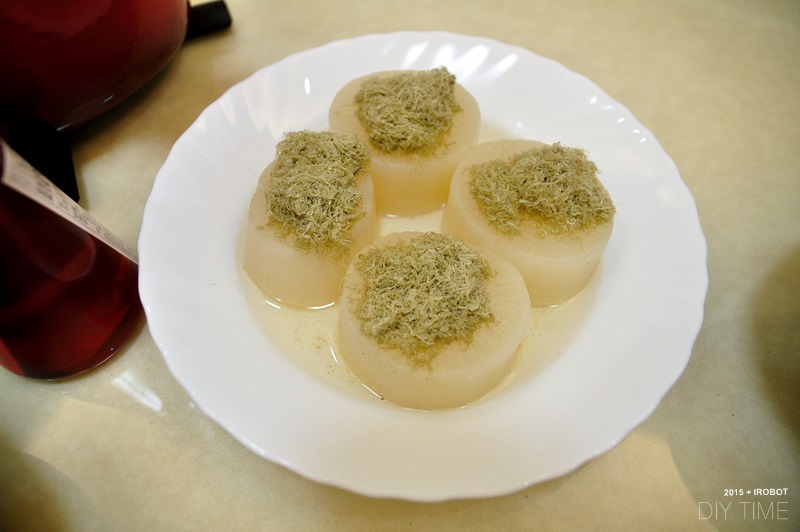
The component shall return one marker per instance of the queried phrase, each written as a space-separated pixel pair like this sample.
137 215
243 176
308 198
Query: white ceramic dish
618 349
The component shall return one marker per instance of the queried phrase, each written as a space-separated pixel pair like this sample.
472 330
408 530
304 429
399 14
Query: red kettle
64 62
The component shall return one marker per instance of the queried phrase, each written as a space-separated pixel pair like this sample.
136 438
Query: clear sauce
307 337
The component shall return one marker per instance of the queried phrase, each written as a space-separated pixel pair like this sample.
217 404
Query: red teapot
64 62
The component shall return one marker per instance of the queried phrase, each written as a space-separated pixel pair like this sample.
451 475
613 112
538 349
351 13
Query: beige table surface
716 81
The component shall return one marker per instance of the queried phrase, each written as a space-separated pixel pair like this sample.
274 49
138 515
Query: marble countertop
715 81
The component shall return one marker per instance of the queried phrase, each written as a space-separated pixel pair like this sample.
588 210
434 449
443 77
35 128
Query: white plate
618 348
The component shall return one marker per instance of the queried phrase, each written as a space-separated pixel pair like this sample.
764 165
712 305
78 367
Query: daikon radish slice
441 337
409 180
556 261
307 275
